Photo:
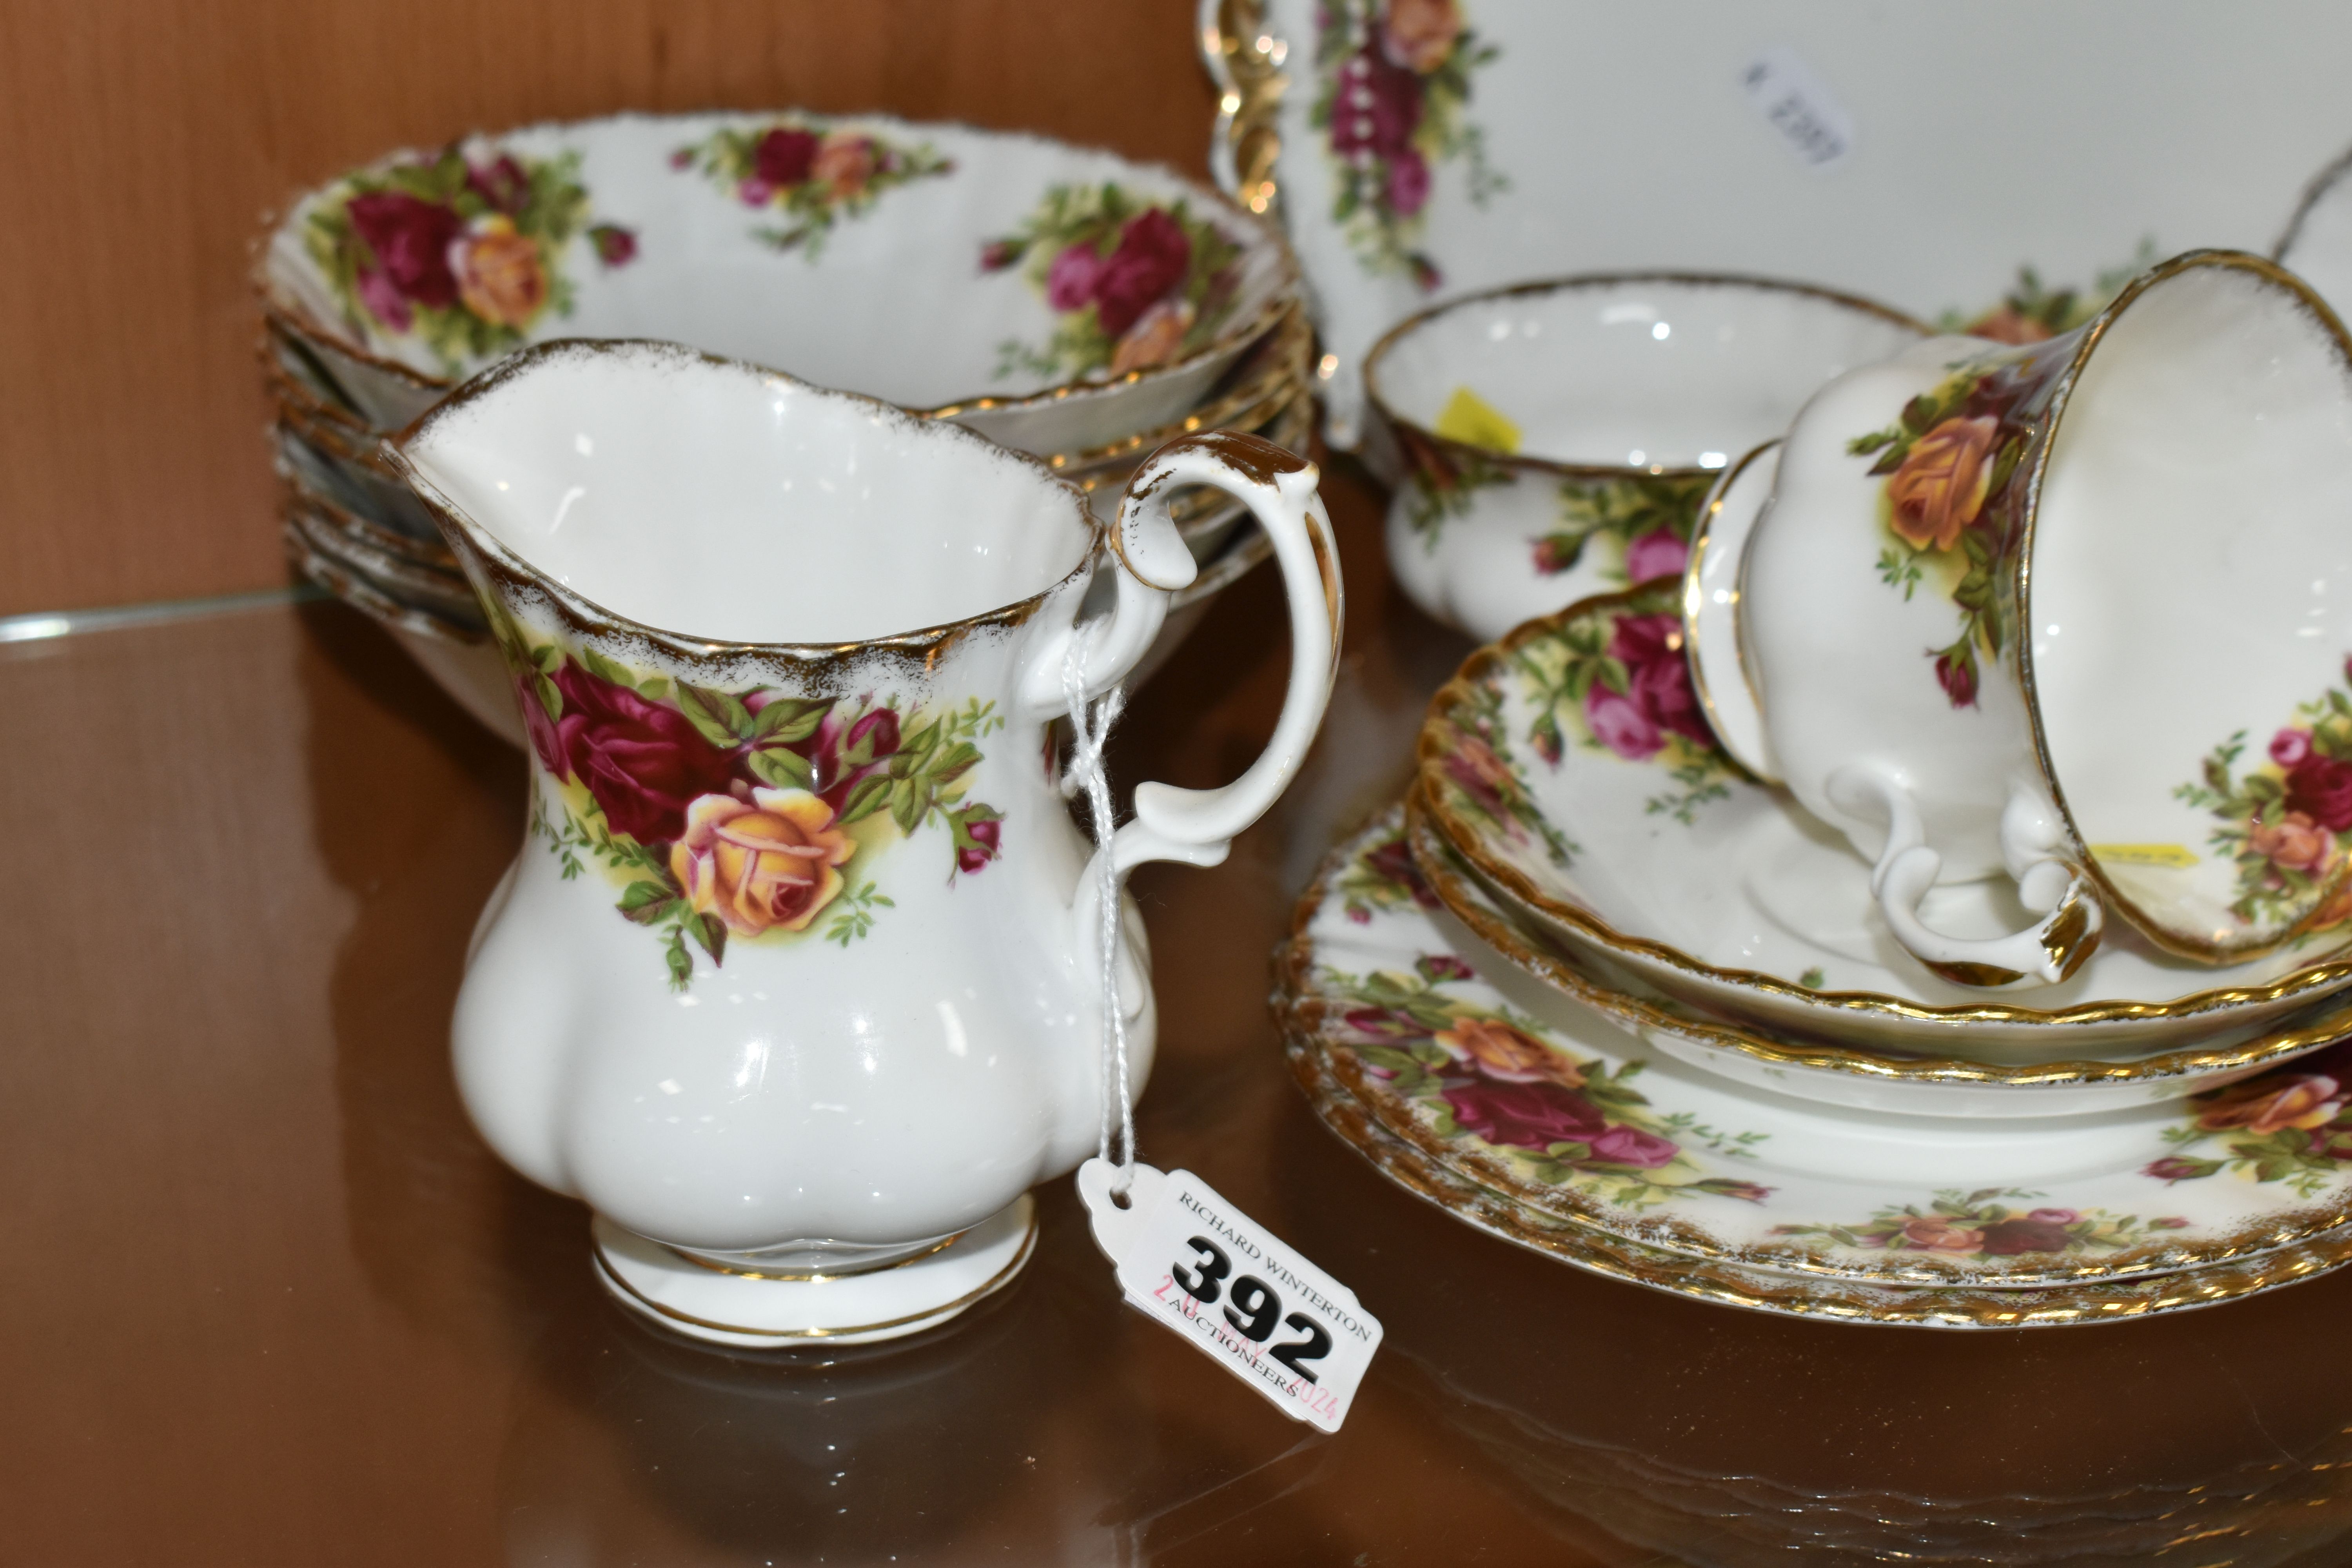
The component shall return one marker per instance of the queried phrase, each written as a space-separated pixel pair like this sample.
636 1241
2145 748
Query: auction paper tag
1193 1260
1798 104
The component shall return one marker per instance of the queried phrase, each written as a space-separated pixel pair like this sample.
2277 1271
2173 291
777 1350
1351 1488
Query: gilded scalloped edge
1956 1307
1299 1013
1251 82
1484 662
1436 858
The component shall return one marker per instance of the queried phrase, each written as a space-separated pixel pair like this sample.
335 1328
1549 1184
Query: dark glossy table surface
268 1301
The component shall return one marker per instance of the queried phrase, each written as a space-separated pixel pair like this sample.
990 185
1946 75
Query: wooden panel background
144 139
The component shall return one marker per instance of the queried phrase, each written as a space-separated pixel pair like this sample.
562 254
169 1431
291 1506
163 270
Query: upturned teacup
2075 612
1557 438
796 978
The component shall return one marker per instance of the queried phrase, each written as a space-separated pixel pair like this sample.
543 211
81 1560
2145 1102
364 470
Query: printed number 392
1251 1307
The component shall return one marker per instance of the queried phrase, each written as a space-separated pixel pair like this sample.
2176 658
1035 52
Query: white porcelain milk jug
793 981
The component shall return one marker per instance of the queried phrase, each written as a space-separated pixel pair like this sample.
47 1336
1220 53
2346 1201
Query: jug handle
1198 825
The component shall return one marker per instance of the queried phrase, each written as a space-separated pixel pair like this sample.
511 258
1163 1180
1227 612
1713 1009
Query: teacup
795 981
2063 611
1560 436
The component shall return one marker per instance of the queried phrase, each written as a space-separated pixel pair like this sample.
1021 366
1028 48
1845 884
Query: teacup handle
2043 953
1198 825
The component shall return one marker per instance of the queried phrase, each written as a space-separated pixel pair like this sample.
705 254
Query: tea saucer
1868 1080
1569 766
1511 1086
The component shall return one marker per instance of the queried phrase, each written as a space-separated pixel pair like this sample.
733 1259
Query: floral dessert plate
1053 298
1789 1064
1530 1094
1794 1295
1419 148
1571 768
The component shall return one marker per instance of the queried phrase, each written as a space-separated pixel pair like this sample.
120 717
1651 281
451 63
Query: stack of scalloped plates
1065 302
1600 992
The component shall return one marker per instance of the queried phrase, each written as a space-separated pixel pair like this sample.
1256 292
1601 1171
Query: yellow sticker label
1475 422
2171 855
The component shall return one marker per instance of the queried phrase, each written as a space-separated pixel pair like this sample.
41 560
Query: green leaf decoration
908 801
719 717
957 761
2011 452
648 903
605 670
780 768
869 795
710 934
790 719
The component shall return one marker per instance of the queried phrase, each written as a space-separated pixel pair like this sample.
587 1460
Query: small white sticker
1198 1263
1798 105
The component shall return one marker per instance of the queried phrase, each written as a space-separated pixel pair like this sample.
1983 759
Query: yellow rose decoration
764 864
499 276
1941 486
1504 1053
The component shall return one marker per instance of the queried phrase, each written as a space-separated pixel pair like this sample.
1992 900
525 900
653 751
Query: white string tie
1090 726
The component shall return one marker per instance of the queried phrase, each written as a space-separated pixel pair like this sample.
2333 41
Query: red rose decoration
1651 648
1956 672
1555 553
1392 862
987 843
544 741
1380 1024
1618 723
1657 553
846 755
1525 1115
784 156
2007 1237
411 241
642 762
1153 252
1632 1146
615 246
502 183
2321 788
1408 189
1070 281
1378 107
